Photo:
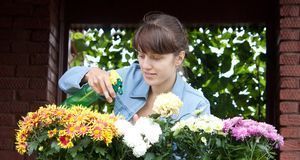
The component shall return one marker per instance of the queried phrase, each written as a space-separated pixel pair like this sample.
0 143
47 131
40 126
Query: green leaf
32 146
100 150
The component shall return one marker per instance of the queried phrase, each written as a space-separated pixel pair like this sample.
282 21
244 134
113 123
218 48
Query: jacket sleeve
203 105
70 80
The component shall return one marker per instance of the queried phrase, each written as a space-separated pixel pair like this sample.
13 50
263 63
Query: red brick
290 46
42 11
36 2
10 9
32 23
14 107
289 59
40 35
7 120
290 22
30 47
7 71
6 22
290 156
10 155
290 119
32 71
289 107
4 46
14 83
7 143
289 83
290 70
289 34
31 95
289 11
289 1
53 42
54 30
7 132
5 34
37 104
20 35
53 66
14 59
51 98
52 87
39 59
40 83
290 132
7 95
52 76
290 94
53 53
14 35
291 145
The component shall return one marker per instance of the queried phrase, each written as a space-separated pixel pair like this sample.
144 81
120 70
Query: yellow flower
96 133
71 130
73 123
167 104
21 147
52 133
81 130
113 77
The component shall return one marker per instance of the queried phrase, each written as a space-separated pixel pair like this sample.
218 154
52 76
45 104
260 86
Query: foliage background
227 63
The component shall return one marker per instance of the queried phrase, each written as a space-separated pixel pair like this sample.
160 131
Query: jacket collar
142 88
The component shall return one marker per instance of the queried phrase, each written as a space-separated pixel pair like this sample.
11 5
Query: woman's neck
166 86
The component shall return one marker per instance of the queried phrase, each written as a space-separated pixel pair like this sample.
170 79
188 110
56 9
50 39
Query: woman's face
158 69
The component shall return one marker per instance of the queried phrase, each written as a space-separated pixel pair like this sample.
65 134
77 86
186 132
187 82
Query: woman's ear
180 58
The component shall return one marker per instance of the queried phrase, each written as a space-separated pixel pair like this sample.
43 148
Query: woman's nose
146 63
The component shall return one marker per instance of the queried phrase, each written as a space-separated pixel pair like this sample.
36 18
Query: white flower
178 126
140 136
122 126
140 150
132 138
167 104
203 139
205 123
149 129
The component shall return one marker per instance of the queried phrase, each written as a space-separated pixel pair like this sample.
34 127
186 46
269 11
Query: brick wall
28 63
289 48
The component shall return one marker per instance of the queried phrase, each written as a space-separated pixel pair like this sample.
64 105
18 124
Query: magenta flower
241 129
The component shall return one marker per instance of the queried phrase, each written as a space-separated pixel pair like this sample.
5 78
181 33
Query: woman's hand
99 81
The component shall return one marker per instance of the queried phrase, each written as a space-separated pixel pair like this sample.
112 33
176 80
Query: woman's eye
156 57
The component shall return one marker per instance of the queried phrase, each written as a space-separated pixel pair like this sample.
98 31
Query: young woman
161 44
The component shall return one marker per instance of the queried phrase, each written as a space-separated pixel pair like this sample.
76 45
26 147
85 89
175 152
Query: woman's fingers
135 118
99 81
105 91
109 86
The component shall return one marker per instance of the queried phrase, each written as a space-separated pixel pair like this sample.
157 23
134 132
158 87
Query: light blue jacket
135 91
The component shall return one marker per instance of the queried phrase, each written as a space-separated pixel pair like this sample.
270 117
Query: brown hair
160 33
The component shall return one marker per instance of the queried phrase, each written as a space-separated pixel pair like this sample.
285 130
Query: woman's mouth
149 74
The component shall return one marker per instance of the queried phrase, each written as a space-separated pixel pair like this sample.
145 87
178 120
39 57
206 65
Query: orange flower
52 133
71 130
96 133
81 130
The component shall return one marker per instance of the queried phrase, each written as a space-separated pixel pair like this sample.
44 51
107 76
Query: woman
161 44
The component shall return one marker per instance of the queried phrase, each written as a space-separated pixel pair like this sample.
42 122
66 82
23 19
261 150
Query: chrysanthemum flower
65 141
52 133
81 130
167 104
